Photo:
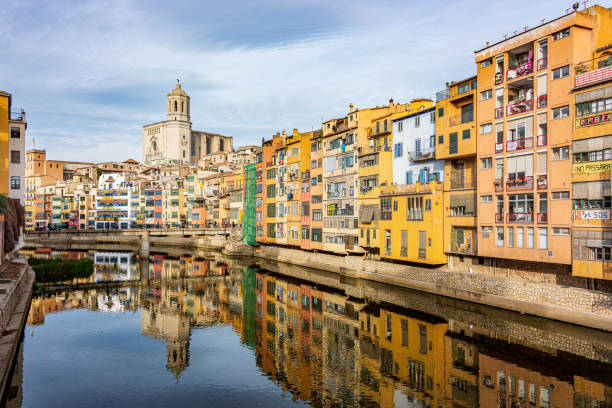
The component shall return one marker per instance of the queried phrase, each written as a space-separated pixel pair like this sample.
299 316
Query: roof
412 113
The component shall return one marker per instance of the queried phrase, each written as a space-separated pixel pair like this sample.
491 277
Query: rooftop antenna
543 20
526 27
584 3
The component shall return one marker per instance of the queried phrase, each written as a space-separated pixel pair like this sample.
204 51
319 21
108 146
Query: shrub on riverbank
61 270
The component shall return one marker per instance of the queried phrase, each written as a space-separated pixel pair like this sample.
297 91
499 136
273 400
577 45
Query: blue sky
89 74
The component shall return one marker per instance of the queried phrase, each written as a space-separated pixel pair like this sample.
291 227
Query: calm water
204 331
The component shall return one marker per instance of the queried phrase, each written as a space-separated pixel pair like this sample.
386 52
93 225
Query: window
385 209
400 126
432 117
486 163
488 94
486 198
398 148
592 107
561 112
15 183
316 234
440 112
395 205
15 133
417 121
560 231
466 134
486 128
598 253
428 205
543 238
313 181
414 209
561 153
530 237
486 63
560 195
15 157
316 215
559 35
561 72
520 237
500 236
440 139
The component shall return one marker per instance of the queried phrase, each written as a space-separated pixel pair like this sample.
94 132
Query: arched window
183 107
221 145
175 106
183 154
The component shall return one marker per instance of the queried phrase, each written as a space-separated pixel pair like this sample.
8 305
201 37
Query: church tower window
175 106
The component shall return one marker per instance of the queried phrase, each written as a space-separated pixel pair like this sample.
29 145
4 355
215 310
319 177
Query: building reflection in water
333 350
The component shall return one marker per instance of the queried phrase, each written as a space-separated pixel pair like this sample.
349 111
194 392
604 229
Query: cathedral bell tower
178 104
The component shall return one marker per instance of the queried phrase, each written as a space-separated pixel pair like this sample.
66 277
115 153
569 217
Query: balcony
542 63
519 183
542 140
499 78
425 154
519 218
542 101
499 185
499 218
542 218
542 182
593 71
519 107
499 147
519 144
459 180
499 112
521 70
460 119
17 115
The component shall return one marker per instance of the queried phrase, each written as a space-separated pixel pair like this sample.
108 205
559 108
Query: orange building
525 134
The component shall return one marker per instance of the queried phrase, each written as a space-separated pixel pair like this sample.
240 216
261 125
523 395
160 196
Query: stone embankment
569 304
16 280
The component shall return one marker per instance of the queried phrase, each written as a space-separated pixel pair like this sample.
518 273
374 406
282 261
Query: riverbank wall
550 300
16 280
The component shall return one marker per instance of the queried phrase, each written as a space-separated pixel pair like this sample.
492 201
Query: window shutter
542 162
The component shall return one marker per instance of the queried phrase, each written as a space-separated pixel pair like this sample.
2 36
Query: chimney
391 102
487 43
351 108
284 134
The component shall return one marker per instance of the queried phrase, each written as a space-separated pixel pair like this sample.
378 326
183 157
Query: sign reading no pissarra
591 214
594 120
594 167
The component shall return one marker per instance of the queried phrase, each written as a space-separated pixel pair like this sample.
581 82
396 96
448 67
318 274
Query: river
205 330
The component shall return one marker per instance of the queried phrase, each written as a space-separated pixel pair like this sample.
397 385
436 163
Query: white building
113 202
17 159
172 141
414 149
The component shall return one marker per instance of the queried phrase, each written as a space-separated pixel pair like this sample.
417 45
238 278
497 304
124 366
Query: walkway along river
199 328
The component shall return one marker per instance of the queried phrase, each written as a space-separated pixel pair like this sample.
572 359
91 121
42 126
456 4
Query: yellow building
457 135
5 108
591 157
293 186
411 223
375 171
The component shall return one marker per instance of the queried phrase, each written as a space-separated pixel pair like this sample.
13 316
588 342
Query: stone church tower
172 141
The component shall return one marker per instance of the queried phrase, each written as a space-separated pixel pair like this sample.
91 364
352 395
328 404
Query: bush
61 270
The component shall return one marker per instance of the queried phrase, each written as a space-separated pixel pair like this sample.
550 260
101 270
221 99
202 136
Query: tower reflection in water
331 349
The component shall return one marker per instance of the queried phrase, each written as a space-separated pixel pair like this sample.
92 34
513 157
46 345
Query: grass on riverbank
61 270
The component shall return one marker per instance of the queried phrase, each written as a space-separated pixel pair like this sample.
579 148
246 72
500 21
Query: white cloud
90 76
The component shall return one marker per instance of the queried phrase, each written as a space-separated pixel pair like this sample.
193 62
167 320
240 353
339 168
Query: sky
90 74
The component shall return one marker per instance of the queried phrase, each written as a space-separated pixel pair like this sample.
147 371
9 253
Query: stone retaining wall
570 304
